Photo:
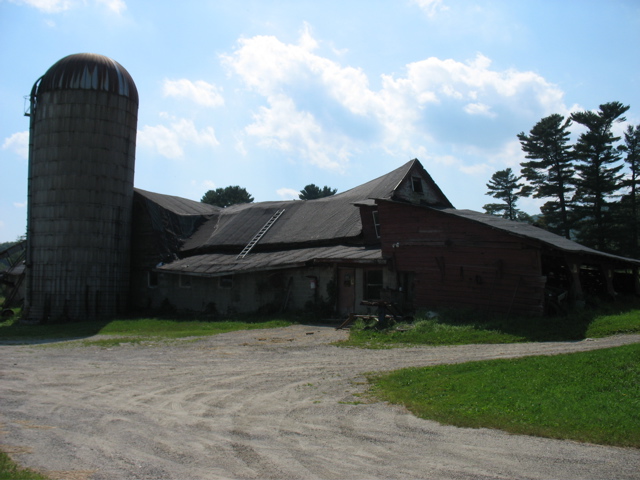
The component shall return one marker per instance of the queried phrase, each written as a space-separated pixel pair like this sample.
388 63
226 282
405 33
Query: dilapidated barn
396 238
95 245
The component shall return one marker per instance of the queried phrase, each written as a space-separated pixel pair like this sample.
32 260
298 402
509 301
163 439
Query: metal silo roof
88 71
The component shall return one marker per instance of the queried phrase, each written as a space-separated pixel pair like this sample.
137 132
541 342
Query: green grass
135 330
588 397
9 470
458 327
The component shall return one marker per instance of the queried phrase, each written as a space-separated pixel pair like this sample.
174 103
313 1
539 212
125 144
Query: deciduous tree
223 197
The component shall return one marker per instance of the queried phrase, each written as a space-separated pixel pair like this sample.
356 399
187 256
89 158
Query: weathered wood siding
461 263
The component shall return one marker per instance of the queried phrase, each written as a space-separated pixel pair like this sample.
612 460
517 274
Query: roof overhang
220 264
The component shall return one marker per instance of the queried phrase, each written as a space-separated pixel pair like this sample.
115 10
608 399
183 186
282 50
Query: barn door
346 290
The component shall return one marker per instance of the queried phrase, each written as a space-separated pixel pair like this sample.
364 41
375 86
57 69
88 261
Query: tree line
233 195
588 196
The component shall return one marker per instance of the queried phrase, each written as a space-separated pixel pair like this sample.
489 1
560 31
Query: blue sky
274 95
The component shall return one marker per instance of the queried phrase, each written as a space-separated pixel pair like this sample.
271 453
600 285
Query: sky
275 95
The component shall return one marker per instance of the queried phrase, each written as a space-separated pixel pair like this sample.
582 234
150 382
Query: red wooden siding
461 263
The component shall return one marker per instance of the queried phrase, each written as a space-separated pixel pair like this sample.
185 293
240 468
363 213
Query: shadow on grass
173 325
598 319
14 332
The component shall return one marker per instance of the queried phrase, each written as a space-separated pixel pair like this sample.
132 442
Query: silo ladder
260 234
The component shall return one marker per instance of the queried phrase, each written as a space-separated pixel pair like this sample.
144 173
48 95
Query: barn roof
528 231
328 219
217 264
179 205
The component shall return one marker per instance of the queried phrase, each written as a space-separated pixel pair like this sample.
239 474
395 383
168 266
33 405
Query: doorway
346 290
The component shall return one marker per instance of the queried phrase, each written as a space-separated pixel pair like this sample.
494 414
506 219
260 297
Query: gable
418 187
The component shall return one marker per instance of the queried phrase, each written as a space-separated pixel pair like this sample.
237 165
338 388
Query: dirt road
265 404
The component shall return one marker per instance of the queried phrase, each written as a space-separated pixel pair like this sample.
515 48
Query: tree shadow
572 325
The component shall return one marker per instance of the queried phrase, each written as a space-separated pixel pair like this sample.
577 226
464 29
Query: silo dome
88 71
83 124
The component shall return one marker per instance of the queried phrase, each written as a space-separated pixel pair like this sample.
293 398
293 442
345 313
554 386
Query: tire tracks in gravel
263 404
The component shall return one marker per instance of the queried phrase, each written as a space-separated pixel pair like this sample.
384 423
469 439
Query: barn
396 238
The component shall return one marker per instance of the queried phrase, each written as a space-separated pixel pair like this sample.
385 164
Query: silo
83 121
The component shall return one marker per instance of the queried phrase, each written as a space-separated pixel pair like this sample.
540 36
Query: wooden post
575 293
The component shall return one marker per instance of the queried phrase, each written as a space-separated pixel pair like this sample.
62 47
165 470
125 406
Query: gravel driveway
262 404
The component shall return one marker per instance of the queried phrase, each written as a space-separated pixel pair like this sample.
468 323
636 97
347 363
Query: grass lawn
588 397
458 327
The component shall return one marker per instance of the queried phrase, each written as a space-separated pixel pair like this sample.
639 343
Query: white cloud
323 112
479 169
431 7
203 184
170 141
282 127
306 41
47 6
18 143
479 109
288 193
200 92
116 6
57 6
20 204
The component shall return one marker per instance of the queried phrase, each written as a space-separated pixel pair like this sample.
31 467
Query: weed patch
9 470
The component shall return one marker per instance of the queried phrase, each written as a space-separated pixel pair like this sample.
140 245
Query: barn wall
457 262
241 293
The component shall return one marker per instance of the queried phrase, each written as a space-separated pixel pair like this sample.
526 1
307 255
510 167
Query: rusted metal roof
217 264
88 71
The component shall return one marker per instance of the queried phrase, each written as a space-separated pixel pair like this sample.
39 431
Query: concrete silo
83 122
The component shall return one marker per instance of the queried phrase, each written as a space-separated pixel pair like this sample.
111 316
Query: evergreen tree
629 223
311 192
504 186
599 176
224 197
550 170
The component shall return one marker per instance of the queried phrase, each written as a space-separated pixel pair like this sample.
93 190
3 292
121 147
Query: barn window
226 281
376 223
152 279
372 284
416 184
185 281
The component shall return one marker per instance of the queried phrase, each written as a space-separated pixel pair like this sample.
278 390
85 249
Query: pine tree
598 170
629 224
550 170
504 186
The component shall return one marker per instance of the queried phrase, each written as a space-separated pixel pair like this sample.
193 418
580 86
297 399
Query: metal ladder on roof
260 234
